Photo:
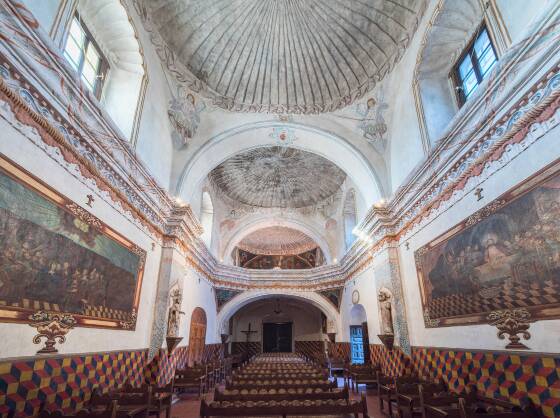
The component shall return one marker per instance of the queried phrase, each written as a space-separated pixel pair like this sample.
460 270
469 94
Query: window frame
470 51
104 66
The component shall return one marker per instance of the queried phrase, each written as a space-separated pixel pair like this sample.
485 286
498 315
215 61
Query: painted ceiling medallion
277 177
294 56
277 240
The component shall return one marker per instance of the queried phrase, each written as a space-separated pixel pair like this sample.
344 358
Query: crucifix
248 333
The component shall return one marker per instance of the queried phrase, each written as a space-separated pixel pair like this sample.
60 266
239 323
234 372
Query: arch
349 217
126 80
255 223
358 314
197 336
243 299
455 21
226 144
207 218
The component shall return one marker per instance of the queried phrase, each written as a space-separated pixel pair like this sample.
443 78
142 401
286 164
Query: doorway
197 337
277 337
357 344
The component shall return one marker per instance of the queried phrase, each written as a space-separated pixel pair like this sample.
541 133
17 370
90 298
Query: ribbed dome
277 240
277 177
286 55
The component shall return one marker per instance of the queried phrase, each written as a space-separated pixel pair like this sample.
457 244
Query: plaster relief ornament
512 322
372 123
283 136
184 113
174 317
53 327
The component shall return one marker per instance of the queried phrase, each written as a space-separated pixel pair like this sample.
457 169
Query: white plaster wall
544 334
17 339
364 283
306 320
44 11
517 15
197 293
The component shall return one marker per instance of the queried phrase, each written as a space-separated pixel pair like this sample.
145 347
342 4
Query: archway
226 144
359 336
254 223
197 336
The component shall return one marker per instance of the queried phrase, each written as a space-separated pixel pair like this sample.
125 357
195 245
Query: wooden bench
281 384
361 375
284 408
462 409
192 378
280 395
111 412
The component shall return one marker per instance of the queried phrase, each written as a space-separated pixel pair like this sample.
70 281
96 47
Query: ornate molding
512 322
52 326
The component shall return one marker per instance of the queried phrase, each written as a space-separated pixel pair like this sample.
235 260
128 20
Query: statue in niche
184 113
384 298
174 316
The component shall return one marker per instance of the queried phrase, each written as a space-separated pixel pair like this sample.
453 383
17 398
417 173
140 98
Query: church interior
280 208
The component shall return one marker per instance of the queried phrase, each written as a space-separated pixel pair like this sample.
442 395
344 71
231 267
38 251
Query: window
84 55
475 63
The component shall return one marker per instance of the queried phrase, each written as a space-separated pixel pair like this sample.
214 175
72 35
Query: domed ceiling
300 56
277 240
277 177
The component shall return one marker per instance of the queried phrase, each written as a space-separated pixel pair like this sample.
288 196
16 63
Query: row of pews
281 385
152 400
412 397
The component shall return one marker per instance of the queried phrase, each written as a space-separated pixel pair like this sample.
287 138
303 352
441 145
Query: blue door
356 344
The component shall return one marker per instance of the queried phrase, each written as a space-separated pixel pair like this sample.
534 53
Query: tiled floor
189 405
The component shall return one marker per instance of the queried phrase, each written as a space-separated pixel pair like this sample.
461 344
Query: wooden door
197 336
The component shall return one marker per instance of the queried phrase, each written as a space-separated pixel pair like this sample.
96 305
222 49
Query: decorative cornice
498 124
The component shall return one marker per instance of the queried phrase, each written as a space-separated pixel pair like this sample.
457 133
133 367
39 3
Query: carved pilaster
182 230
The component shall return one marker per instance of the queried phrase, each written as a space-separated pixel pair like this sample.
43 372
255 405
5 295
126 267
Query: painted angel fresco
372 123
184 113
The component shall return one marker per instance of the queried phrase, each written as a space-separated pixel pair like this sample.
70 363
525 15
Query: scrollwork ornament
512 322
53 326
84 215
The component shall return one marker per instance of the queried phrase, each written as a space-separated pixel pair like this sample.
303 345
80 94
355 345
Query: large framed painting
505 256
57 257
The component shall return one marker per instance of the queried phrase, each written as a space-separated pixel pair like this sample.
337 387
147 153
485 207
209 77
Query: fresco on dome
55 256
505 256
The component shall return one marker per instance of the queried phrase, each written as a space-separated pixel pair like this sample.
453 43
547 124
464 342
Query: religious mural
505 256
306 260
55 256
334 296
223 296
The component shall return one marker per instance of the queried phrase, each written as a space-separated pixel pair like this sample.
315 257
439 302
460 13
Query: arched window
207 218
350 218
443 79
103 48
197 336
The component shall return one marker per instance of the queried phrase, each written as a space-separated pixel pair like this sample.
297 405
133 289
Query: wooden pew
462 409
111 412
281 384
361 374
280 395
191 378
284 408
